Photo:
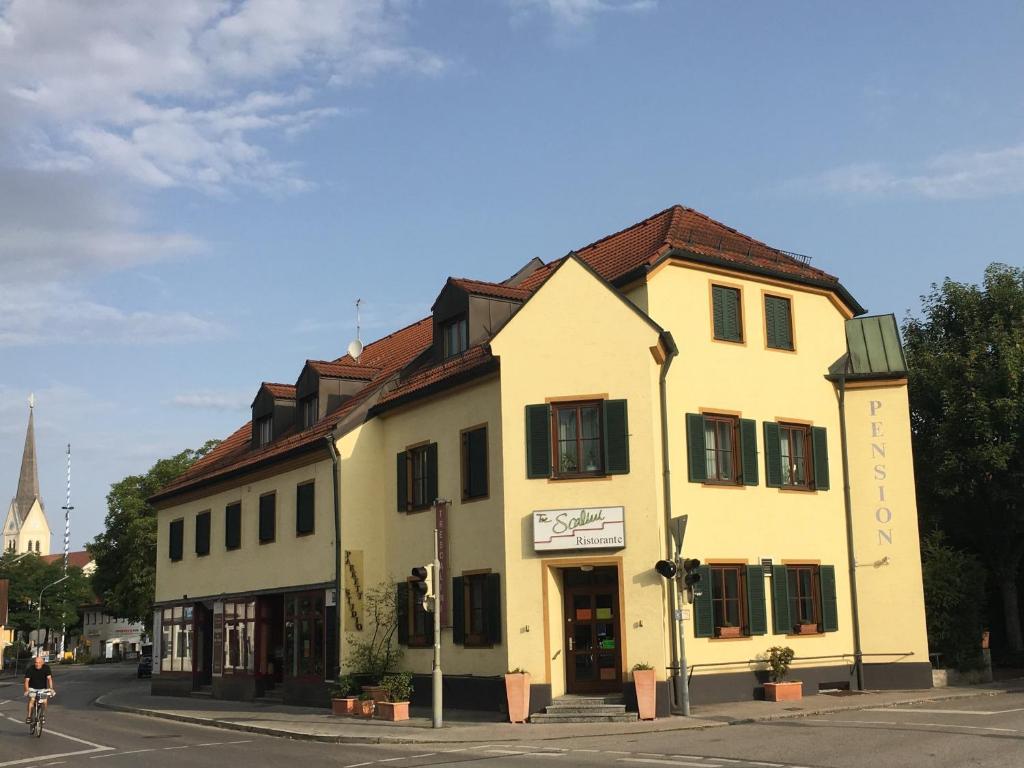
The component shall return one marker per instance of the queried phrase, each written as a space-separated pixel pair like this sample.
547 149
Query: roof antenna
355 347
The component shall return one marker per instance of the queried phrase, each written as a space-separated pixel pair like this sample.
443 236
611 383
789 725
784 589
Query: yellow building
554 427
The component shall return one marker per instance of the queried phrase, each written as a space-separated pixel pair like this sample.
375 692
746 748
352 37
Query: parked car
145 666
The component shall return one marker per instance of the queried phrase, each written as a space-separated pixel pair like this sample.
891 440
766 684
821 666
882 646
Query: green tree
966 361
954 598
28 576
125 553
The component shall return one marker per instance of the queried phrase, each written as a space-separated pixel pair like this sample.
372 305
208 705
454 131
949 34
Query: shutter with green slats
402 477
538 440
616 437
757 611
778 322
458 611
819 442
726 314
829 607
782 622
431 473
718 311
703 608
476 449
492 607
748 441
696 453
402 611
772 455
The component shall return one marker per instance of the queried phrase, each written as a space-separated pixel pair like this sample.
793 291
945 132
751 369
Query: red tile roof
382 362
283 391
75 559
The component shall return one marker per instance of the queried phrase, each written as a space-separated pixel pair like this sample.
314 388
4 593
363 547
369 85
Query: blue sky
193 197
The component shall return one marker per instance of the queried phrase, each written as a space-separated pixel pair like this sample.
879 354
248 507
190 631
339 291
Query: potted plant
398 691
728 630
645 682
806 629
375 652
517 693
780 689
342 700
366 705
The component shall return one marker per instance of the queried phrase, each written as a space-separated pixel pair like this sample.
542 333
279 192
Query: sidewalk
318 725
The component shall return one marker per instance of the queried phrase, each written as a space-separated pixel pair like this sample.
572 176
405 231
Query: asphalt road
985 731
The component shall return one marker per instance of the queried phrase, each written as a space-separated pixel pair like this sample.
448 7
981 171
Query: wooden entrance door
593 631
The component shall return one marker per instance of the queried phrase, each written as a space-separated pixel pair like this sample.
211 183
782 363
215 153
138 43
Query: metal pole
39 622
437 677
67 548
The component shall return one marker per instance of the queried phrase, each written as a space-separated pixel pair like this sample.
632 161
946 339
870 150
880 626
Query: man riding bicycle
38 678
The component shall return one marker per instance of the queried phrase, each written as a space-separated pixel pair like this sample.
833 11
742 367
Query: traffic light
666 568
423 584
692 577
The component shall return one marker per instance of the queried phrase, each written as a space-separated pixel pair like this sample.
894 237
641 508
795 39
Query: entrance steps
585 709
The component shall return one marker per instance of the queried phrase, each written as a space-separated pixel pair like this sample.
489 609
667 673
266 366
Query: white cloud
167 94
577 13
215 401
949 176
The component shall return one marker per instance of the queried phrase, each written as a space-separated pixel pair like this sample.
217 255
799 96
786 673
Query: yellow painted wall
34 528
398 541
574 338
891 598
288 561
748 523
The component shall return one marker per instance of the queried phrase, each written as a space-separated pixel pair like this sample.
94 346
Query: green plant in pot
375 651
397 692
343 700
779 658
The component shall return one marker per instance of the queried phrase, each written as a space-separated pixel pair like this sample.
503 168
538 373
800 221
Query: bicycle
38 719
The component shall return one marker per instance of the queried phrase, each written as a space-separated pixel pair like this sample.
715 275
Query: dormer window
264 430
308 410
455 336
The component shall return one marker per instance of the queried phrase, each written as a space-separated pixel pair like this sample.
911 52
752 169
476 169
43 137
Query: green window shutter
305 511
176 540
476 457
829 608
233 526
268 517
718 310
757 612
725 312
203 534
402 611
458 611
703 610
782 623
492 608
431 473
748 441
616 437
819 440
770 311
772 455
696 458
778 322
538 440
402 475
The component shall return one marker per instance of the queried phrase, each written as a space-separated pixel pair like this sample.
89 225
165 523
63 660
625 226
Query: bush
342 686
375 654
779 659
954 598
398 687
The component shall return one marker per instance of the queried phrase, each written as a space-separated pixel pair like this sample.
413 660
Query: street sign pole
437 678
681 686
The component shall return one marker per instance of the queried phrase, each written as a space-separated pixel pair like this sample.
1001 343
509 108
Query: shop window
727 316
474 463
778 322
796 456
239 637
304 635
233 525
721 449
305 517
176 639
476 610
203 533
176 540
417 477
268 517
455 336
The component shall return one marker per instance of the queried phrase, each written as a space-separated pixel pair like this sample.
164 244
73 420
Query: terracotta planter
393 710
517 692
787 691
646 686
376 692
366 707
984 640
729 632
344 706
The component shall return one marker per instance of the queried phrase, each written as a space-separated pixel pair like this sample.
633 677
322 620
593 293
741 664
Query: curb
691 725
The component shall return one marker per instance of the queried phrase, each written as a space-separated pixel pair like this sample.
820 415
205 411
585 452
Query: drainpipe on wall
681 696
840 381
336 475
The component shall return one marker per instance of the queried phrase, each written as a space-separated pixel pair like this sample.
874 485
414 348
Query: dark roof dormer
273 412
468 312
324 385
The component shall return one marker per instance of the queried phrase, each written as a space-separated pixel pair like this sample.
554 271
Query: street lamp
39 623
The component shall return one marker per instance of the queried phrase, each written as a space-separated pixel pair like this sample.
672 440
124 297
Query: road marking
946 711
243 741
39 758
390 759
905 724
613 752
427 754
358 765
660 762
137 751
180 746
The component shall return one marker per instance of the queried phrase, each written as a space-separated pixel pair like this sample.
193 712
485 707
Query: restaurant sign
579 528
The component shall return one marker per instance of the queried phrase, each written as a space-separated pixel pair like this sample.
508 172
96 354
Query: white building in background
26 528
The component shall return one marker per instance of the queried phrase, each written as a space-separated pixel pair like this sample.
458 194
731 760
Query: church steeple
28 480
